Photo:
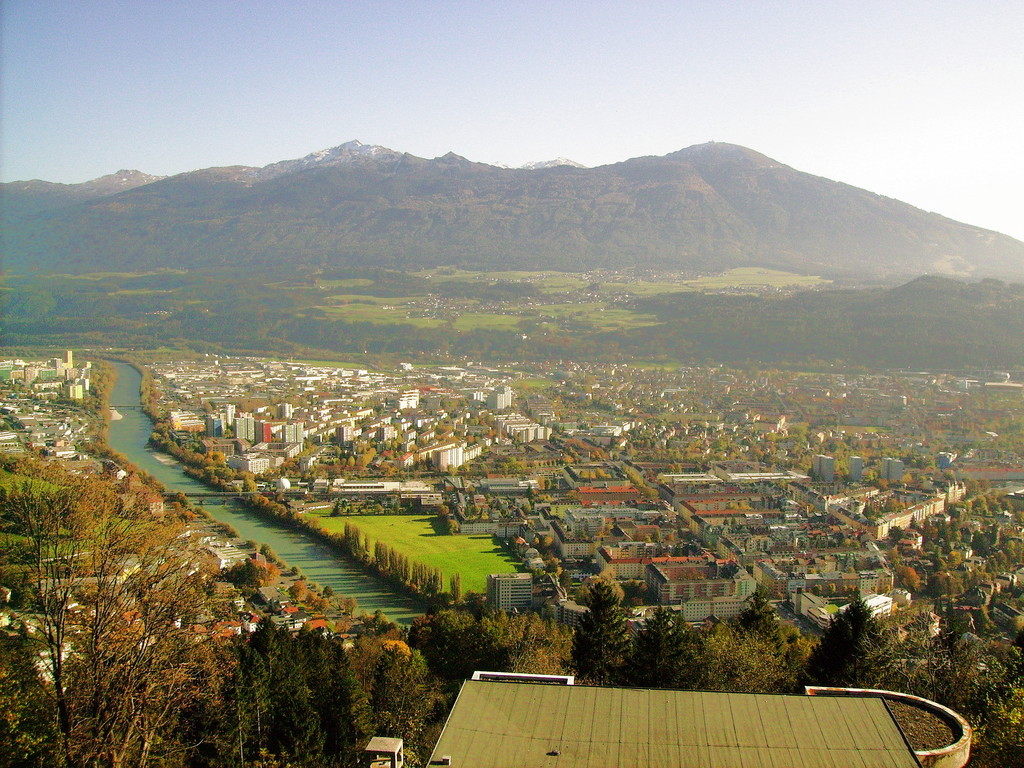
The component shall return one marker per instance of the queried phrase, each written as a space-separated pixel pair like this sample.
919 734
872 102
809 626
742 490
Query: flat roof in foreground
524 725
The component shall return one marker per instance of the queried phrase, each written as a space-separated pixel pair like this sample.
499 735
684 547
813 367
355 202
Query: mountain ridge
708 207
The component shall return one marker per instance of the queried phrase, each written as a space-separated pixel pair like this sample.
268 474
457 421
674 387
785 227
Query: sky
919 100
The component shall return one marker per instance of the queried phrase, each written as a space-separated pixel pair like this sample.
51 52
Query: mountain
539 164
706 208
349 153
23 198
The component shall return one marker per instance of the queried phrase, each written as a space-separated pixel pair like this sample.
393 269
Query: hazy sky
921 100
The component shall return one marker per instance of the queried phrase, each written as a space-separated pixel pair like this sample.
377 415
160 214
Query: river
129 435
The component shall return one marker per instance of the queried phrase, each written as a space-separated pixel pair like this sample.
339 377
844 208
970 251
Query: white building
510 591
249 463
500 399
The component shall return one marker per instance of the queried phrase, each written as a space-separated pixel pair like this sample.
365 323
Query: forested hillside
927 323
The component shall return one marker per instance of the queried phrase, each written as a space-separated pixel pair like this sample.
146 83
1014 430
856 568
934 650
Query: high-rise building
892 470
264 432
856 469
449 456
510 591
293 433
229 414
824 468
214 426
245 428
500 399
285 410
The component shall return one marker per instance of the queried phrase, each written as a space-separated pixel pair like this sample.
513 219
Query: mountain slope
709 207
23 198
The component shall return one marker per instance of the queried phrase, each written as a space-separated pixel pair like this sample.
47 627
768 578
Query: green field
752 277
472 556
557 314
548 282
471 321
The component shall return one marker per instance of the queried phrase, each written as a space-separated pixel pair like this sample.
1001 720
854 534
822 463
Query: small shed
383 752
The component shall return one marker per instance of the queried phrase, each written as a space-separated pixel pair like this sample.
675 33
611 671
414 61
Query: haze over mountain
705 208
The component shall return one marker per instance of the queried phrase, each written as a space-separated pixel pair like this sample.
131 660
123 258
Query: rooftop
499 724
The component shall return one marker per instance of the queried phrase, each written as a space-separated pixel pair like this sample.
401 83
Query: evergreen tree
851 652
759 618
602 638
666 653
456 587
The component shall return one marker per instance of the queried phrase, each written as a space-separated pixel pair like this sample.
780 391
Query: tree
293 699
908 577
734 660
456 587
403 697
27 732
602 639
298 591
759 618
115 590
851 652
665 653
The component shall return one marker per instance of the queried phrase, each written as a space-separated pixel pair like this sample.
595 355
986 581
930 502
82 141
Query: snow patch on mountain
343 154
540 164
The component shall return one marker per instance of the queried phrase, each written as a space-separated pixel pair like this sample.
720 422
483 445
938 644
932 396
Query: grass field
530 385
328 363
645 287
596 315
372 309
486 321
751 277
472 556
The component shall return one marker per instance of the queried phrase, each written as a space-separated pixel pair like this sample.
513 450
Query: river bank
317 560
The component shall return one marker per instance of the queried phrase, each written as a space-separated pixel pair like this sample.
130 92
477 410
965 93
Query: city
700 491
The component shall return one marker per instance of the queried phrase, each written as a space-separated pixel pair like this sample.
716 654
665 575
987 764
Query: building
249 463
294 432
245 428
214 426
448 456
824 468
510 591
264 432
75 390
409 400
856 469
183 421
500 399
548 720
675 584
892 470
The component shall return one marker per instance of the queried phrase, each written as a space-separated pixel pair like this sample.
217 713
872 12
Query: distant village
689 488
